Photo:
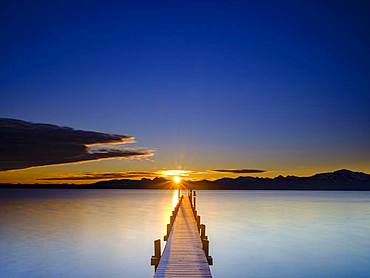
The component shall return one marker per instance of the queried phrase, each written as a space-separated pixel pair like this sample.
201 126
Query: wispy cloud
167 174
25 144
239 171
104 176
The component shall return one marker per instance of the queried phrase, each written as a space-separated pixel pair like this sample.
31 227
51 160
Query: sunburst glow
176 179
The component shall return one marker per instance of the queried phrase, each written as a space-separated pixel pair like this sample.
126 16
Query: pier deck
183 255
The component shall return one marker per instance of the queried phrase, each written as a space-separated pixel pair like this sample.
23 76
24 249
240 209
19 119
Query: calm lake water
110 233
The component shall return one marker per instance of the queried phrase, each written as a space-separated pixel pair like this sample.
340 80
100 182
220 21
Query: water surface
110 233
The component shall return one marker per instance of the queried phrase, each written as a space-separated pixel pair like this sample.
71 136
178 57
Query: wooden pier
187 248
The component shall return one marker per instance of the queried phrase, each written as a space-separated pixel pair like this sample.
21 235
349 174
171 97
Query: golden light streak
179 173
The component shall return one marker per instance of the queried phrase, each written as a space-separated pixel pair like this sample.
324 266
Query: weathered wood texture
183 255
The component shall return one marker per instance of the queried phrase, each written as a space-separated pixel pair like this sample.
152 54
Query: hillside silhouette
338 180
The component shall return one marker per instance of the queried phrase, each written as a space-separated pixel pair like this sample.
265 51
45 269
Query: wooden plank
183 255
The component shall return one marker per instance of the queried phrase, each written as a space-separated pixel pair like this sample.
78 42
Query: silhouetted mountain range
338 180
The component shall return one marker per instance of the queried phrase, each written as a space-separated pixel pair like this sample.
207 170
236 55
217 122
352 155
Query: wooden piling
206 246
168 232
203 231
157 248
157 254
198 222
205 243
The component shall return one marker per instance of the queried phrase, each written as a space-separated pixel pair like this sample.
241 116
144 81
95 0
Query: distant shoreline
3 187
341 180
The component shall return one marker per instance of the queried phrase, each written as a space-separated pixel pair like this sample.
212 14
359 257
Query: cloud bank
141 174
104 176
25 144
239 171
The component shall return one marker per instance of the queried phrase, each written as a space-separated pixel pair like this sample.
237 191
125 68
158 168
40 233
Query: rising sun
176 179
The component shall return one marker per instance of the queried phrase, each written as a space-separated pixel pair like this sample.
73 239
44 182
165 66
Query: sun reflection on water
175 198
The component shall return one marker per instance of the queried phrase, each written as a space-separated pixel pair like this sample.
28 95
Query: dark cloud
239 171
104 176
25 144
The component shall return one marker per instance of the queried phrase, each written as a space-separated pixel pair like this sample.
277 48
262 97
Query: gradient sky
276 85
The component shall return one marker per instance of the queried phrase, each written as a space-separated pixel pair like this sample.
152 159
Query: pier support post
157 248
157 254
206 246
206 251
203 231
168 232
198 222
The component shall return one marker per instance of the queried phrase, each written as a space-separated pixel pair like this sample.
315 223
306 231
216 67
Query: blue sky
278 85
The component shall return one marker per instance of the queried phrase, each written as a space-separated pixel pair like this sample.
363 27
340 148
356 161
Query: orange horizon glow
35 174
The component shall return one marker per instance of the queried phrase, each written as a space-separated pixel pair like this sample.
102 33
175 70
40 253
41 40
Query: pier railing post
198 222
206 251
157 248
168 232
206 246
157 254
203 231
